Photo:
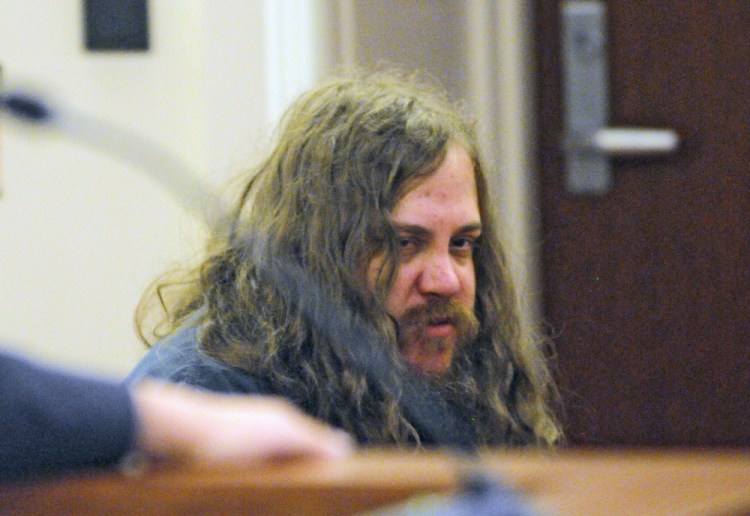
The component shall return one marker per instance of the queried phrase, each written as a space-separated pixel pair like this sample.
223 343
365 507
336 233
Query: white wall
81 234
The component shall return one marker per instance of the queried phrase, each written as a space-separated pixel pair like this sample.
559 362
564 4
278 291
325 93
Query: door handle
626 141
588 142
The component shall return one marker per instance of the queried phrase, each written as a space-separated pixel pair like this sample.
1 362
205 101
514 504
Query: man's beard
412 326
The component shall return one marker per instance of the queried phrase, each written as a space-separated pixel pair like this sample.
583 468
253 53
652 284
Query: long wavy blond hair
347 151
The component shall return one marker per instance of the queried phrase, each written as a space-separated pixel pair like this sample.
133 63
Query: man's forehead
448 195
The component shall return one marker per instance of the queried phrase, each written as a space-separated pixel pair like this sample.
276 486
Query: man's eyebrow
417 230
471 228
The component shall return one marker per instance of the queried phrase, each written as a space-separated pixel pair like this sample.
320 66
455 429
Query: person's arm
51 422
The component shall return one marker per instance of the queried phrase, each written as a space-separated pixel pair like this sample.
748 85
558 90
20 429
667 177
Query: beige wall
82 234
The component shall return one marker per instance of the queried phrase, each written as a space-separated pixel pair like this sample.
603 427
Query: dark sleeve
179 359
51 421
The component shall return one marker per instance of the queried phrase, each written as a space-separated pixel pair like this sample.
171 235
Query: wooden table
590 482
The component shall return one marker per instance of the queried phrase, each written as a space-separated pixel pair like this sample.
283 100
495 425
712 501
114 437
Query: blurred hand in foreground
178 423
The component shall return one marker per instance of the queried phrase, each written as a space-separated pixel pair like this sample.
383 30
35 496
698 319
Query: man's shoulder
179 358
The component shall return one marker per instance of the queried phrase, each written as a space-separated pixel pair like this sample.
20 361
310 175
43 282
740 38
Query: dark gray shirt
179 359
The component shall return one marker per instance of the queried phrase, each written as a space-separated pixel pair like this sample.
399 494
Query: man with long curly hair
362 278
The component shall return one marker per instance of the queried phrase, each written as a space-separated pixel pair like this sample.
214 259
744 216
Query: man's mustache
441 311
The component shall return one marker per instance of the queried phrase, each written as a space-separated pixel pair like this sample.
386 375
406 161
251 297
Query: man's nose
439 276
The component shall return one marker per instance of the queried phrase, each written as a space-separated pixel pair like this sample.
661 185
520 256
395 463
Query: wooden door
647 288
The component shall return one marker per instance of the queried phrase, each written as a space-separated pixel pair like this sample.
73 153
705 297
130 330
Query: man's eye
464 244
404 242
407 244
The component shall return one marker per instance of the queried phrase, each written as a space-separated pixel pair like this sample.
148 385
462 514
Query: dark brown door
647 288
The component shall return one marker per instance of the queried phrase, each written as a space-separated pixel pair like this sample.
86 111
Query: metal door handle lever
627 141
589 143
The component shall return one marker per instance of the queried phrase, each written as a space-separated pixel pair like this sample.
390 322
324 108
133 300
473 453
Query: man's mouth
442 327
430 335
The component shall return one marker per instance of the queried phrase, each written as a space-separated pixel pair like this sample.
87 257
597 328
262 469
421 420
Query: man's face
432 298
